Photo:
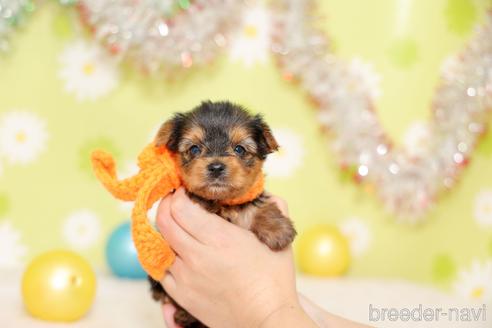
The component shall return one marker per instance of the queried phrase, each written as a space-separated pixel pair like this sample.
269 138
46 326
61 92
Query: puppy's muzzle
216 169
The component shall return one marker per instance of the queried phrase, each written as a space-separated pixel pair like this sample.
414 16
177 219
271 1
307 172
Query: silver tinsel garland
462 107
12 12
145 32
164 35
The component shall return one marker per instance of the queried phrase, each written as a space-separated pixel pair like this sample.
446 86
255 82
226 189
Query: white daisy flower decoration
23 137
358 235
367 78
252 43
483 208
87 70
284 162
81 229
476 283
11 249
416 139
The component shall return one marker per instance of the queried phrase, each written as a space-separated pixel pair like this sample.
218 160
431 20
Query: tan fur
239 135
193 136
241 217
164 133
270 139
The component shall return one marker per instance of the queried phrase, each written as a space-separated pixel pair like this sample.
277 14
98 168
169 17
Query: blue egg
121 254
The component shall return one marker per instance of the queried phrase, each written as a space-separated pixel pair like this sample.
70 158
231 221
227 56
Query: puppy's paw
277 233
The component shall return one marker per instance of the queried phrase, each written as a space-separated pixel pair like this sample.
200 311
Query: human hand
222 274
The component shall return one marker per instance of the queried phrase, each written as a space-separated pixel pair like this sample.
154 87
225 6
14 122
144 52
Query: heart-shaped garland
408 185
462 105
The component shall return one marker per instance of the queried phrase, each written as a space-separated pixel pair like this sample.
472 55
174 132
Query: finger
173 281
281 204
202 225
176 269
168 313
179 239
169 284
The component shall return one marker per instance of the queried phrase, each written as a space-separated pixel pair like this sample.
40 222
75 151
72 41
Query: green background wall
37 198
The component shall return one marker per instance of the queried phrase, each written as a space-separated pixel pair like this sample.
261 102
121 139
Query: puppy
221 149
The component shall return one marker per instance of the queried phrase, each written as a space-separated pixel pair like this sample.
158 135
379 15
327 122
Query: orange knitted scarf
158 176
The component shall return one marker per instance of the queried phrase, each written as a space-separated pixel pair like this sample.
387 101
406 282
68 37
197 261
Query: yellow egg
323 251
58 286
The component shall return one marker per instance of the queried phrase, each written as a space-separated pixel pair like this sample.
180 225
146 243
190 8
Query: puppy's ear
170 132
264 137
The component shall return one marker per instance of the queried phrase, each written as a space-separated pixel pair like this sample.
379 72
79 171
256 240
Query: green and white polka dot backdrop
62 96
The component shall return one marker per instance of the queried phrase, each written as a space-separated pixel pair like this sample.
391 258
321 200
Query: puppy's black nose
216 169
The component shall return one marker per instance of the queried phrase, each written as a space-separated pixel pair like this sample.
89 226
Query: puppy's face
221 148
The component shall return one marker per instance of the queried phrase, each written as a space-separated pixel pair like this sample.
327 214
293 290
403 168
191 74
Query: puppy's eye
239 150
194 150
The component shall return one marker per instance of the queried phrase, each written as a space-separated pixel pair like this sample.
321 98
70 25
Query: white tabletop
126 303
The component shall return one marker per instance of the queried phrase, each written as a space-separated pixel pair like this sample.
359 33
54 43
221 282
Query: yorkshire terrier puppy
221 149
